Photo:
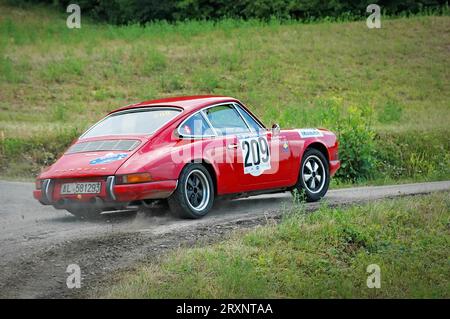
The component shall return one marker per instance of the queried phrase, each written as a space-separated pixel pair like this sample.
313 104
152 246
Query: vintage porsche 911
188 151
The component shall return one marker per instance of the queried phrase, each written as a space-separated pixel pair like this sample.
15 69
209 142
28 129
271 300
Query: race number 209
256 154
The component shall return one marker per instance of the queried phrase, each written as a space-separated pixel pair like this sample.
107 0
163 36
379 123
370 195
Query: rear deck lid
94 157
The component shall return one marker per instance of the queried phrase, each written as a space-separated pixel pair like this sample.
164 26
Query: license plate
81 188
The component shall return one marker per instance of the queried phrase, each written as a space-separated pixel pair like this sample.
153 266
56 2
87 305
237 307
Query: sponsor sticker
256 154
108 158
309 132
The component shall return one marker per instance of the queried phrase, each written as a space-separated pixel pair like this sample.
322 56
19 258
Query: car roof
187 103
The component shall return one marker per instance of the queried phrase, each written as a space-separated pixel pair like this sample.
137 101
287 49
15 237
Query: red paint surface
156 152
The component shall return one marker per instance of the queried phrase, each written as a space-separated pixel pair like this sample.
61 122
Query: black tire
85 212
313 181
194 195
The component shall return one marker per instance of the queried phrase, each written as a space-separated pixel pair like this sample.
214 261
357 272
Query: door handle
232 146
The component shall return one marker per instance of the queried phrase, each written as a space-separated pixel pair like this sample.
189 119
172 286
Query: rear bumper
152 190
110 195
334 166
37 194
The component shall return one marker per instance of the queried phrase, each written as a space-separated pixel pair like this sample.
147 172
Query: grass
278 69
56 79
324 254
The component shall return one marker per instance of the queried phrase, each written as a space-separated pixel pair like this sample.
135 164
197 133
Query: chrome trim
109 187
202 112
242 117
196 136
261 126
176 186
231 104
47 187
134 110
145 108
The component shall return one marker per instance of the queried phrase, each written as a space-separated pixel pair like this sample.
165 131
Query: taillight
38 184
134 178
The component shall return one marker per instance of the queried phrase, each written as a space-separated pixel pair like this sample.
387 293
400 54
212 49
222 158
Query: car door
269 146
227 124
248 150
202 142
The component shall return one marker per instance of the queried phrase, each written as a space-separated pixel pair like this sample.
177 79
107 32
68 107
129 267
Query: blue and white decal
108 158
309 132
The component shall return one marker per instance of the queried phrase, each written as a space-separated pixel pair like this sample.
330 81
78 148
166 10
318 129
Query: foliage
132 11
413 154
54 79
24 158
353 126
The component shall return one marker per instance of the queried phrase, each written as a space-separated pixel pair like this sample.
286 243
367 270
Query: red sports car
189 151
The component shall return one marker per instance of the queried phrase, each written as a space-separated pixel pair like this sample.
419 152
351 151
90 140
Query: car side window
250 120
195 126
226 120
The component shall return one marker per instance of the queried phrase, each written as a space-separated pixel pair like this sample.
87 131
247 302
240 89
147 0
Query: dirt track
37 243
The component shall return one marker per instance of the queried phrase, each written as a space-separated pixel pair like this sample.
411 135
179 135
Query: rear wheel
194 195
314 177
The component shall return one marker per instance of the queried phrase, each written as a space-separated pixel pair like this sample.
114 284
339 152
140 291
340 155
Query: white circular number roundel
256 154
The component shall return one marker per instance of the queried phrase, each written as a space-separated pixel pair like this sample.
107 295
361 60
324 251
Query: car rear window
135 122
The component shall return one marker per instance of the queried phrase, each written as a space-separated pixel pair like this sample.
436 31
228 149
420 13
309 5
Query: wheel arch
320 147
313 145
210 168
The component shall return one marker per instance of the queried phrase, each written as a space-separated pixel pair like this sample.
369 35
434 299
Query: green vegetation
126 11
26 157
356 140
55 82
415 155
319 255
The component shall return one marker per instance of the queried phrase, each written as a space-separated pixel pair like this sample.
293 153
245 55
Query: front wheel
314 177
194 195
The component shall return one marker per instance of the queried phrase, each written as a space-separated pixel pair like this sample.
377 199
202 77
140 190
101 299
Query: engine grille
106 145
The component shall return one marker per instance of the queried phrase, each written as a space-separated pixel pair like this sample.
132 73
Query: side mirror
275 129
176 133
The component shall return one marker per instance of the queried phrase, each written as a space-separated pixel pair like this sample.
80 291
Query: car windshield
132 123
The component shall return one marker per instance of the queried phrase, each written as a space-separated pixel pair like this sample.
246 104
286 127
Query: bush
27 157
356 140
416 154
131 11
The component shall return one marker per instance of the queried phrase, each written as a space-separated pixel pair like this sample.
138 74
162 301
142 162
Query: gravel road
37 242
